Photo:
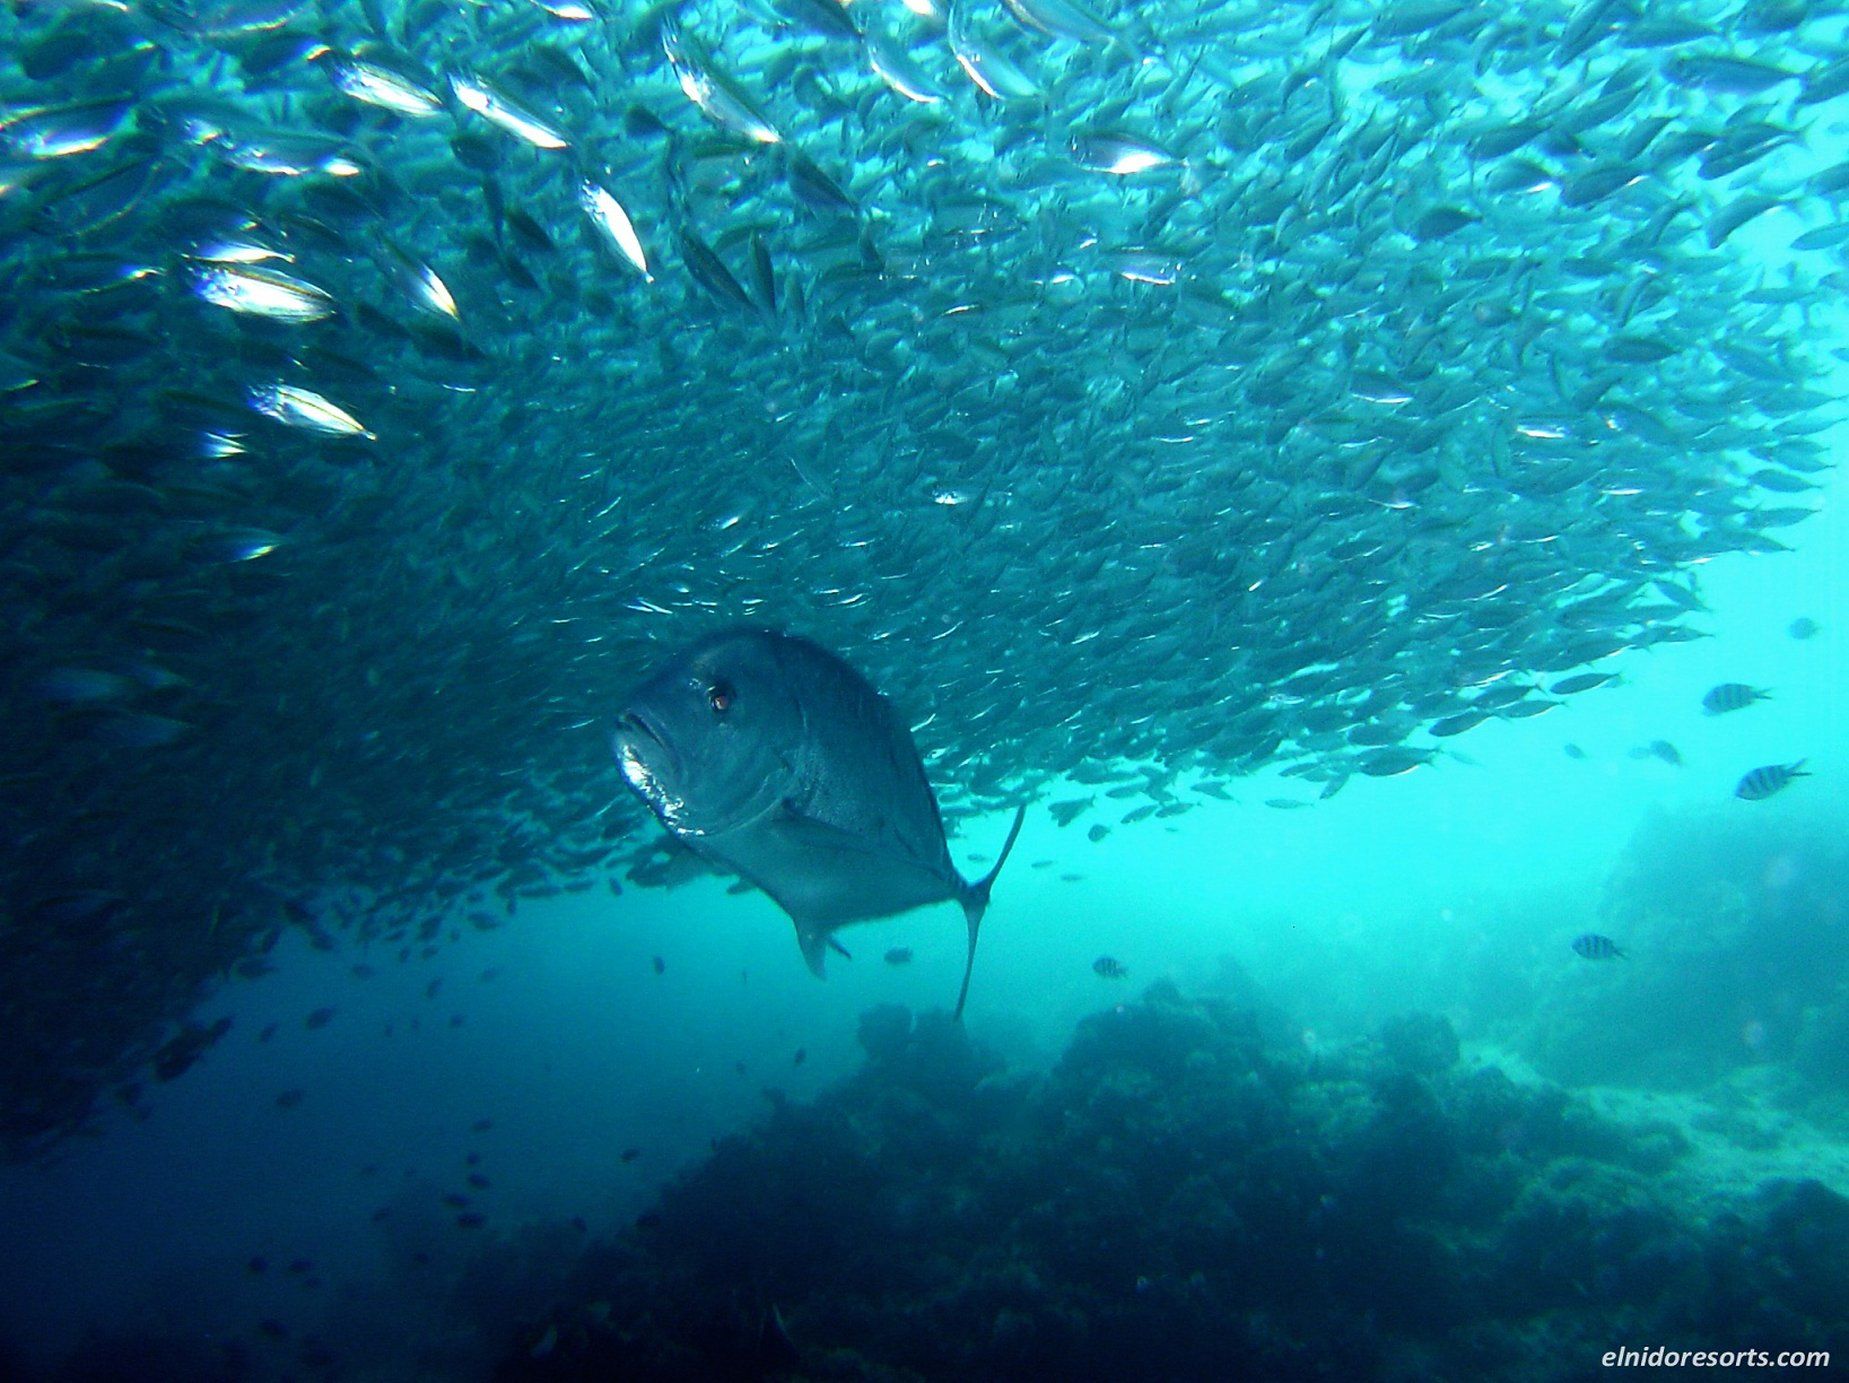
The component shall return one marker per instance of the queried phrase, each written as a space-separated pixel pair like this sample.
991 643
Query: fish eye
719 696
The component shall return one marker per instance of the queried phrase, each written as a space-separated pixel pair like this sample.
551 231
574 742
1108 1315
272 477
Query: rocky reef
1184 1195
1732 932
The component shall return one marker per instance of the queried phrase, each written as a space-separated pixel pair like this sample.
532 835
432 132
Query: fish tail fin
975 902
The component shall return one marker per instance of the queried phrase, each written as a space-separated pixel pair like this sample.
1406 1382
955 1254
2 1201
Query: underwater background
1361 475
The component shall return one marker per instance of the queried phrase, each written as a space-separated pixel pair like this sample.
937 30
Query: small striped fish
1595 947
1764 781
1731 696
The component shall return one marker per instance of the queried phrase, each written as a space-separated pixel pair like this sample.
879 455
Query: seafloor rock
1178 1199
1731 930
1421 1043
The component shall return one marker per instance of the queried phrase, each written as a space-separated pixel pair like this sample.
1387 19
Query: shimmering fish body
773 758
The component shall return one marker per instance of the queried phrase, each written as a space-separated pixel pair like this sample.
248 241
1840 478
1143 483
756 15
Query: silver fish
426 290
713 91
983 63
1061 19
376 85
1118 153
59 131
894 66
608 216
496 109
262 293
294 406
772 757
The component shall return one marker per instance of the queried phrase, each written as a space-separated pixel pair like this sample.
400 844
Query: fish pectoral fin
815 834
816 838
814 941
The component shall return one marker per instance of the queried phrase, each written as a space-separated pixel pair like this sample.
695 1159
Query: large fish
772 757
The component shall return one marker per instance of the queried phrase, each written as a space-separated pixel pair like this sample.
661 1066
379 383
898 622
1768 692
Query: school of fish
1137 395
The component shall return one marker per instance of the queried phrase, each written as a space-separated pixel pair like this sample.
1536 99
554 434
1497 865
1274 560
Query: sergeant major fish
772 757
1762 782
1731 696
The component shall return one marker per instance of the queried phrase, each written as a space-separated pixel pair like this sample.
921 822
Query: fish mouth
641 741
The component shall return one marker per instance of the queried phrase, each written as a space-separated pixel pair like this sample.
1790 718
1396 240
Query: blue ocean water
1455 890
1319 1078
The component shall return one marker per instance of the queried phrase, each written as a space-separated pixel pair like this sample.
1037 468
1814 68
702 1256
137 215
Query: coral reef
1180 1197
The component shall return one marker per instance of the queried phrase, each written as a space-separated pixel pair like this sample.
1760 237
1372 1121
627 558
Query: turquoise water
1159 478
1454 891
